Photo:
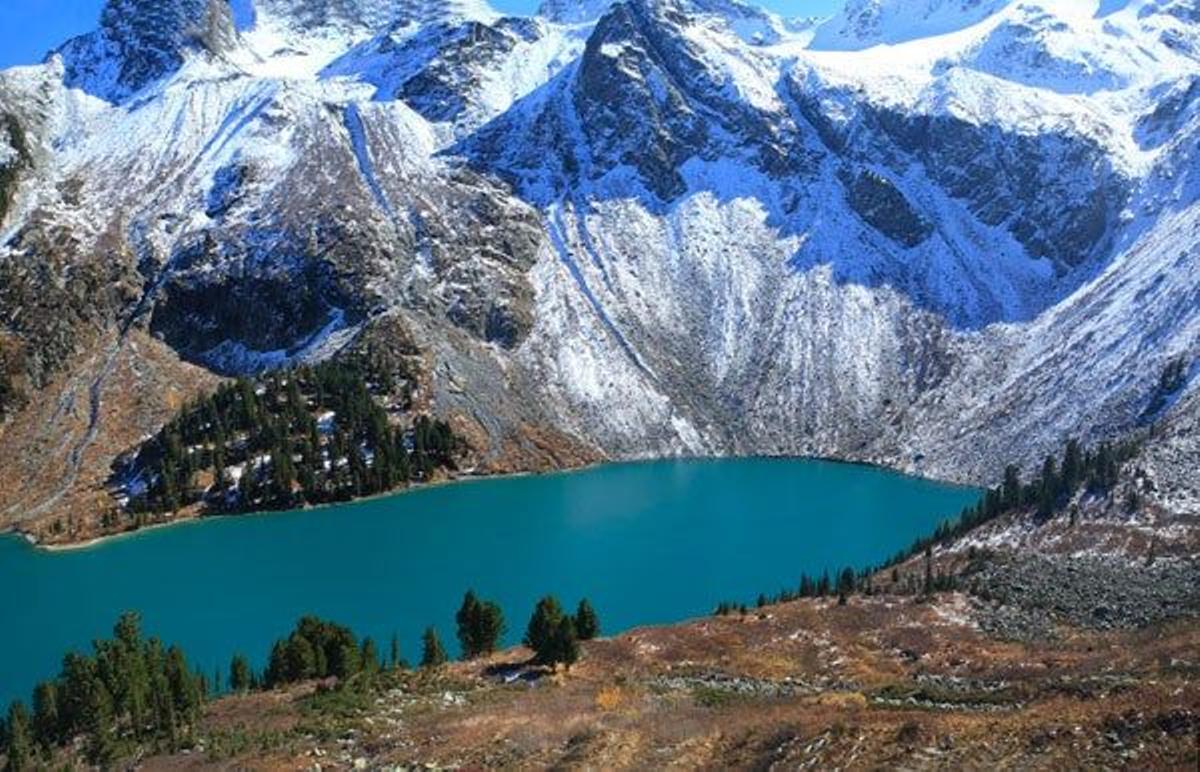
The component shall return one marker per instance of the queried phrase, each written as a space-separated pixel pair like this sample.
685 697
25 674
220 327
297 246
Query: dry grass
41 491
881 682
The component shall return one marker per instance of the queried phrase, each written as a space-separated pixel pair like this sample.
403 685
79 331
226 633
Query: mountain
573 11
863 24
942 235
141 41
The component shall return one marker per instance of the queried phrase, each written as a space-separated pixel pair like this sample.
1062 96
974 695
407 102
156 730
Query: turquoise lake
646 543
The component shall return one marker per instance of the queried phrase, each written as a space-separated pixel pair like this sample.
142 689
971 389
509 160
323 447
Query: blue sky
30 28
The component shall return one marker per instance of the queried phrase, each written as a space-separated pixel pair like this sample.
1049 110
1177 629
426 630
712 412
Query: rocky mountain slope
941 240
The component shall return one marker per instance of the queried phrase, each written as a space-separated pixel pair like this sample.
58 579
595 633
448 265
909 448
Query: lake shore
394 566
184 519
462 477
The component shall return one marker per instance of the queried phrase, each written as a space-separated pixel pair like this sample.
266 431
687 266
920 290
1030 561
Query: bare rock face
15 157
262 303
27 113
439 70
630 108
864 23
370 15
643 97
573 11
1055 193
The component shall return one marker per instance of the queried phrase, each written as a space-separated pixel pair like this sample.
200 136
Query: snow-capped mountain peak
140 41
741 15
668 225
375 15
865 23
573 11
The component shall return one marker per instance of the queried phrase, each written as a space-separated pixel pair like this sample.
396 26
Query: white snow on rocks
754 312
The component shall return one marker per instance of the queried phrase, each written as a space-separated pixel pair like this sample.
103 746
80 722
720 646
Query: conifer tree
587 624
490 627
78 681
846 581
369 657
1011 489
17 738
542 628
467 620
277 665
1048 492
248 485
101 746
565 647
928 589
480 625
1072 468
45 714
432 653
343 655
185 687
241 678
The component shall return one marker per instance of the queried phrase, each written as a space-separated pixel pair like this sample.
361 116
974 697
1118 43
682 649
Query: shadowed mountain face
941 239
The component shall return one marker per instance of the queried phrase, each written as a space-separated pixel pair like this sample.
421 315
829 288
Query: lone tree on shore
565 643
432 653
587 624
539 634
394 659
845 584
480 625
551 634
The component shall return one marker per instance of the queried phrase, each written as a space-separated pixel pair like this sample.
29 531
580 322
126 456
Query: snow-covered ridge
373 14
662 225
573 11
867 23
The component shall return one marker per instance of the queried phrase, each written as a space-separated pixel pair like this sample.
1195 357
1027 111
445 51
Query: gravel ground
1027 597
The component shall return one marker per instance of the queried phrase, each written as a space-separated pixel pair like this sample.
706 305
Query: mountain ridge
685 227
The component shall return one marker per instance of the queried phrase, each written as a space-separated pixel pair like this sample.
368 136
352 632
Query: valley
860 354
